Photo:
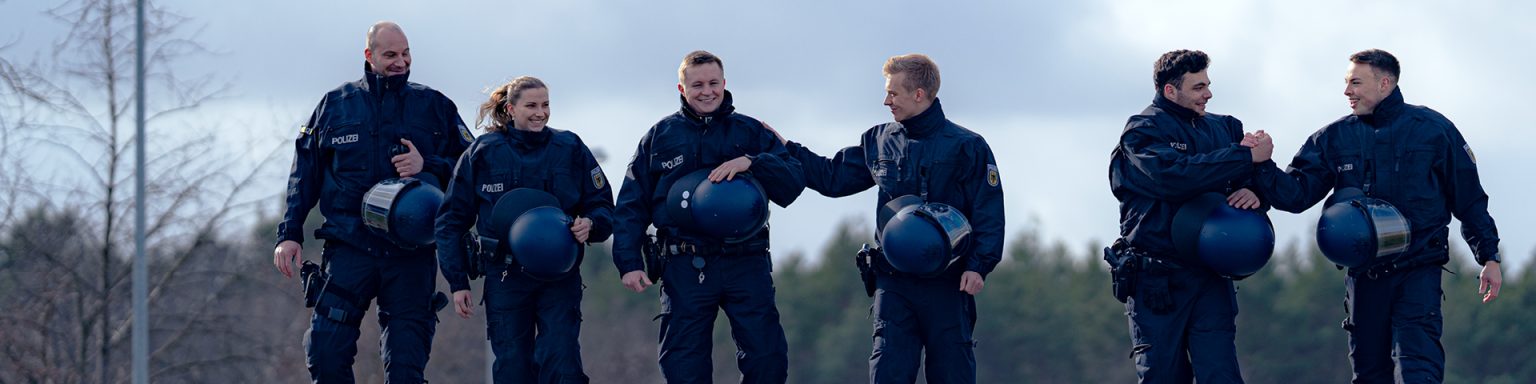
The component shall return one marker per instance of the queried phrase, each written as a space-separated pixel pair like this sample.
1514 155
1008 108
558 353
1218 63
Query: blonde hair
921 72
495 109
697 58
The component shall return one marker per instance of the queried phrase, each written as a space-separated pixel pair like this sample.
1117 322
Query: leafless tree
66 143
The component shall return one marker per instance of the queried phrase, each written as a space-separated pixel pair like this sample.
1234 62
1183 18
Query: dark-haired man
1413 158
703 274
1182 315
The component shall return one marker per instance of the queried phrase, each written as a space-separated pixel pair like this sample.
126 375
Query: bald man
366 131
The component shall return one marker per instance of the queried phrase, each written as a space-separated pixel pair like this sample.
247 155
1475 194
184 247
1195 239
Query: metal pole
140 264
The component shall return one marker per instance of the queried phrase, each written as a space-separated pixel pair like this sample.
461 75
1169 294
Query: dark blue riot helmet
513 204
921 238
530 232
1232 242
731 211
541 241
404 210
1355 228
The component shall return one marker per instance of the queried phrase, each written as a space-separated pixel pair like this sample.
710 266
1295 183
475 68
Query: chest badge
676 161
348 139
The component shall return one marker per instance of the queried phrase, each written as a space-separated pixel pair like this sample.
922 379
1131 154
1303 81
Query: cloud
1048 83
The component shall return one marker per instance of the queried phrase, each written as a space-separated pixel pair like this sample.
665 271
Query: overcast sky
1049 84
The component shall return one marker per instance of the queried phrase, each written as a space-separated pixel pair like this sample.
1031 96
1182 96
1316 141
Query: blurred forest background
1046 316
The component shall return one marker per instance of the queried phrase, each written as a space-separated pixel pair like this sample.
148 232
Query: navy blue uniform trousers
913 316
1396 317
1195 340
533 328
403 283
742 286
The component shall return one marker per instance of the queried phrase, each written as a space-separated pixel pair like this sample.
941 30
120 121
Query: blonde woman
533 314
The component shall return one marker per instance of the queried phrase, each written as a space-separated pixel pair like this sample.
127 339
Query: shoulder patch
598 180
305 130
993 179
1468 148
465 134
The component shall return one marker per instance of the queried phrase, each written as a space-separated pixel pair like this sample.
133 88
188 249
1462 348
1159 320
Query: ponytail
503 97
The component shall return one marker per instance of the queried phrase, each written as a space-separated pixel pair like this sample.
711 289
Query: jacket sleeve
596 196
1167 174
632 209
844 174
440 163
1248 184
985 188
454 218
1305 183
780 173
1237 136
1467 200
304 179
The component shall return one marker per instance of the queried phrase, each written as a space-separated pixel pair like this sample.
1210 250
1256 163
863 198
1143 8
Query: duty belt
1404 261
676 247
1380 270
1146 262
882 265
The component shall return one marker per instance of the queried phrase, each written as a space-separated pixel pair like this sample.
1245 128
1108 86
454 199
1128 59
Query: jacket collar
725 109
1173 108
380 83
1388 110
925 123
528 140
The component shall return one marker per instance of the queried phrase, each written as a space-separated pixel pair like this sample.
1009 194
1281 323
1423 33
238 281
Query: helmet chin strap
922 182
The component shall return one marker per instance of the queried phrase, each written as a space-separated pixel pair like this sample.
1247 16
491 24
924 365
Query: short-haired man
921 154
349 144
703 274
1182 314
1413 158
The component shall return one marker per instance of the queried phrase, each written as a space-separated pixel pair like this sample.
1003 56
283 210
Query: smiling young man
706 134
922 154
1415 159
1182 315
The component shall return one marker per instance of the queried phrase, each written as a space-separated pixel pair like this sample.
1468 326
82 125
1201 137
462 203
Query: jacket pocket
1416 173
490 185
350 157
1349 167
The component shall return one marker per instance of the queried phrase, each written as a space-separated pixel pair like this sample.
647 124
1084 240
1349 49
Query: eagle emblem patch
465 134
598 180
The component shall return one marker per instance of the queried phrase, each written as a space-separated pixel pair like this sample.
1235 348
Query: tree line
1045 316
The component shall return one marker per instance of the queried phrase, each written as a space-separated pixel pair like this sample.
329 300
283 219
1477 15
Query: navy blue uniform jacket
550 160
1168 154
924 153
681 143
1407 155
344 149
